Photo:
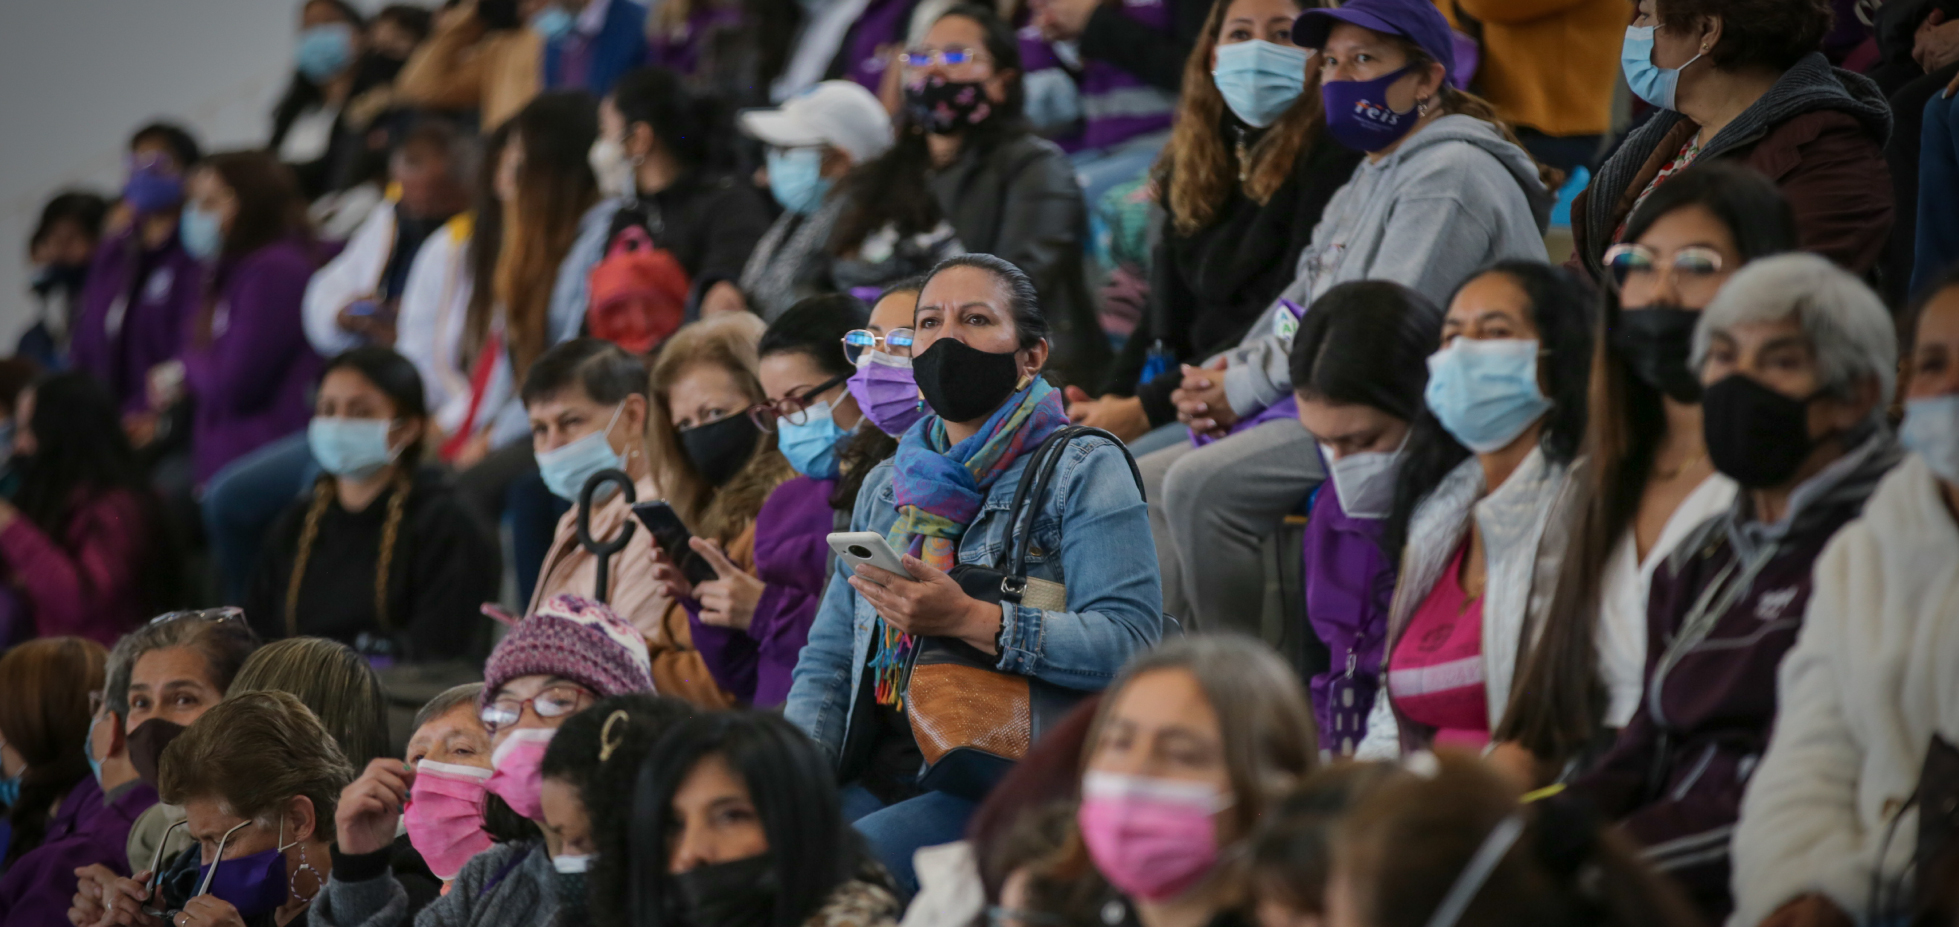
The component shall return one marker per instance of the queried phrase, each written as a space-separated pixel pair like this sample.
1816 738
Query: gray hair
220 636
1848 328
446 702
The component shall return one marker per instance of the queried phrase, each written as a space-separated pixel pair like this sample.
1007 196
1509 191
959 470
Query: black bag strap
1033 486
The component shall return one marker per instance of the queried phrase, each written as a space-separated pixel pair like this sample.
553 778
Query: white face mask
1931 431
1365 481
612 167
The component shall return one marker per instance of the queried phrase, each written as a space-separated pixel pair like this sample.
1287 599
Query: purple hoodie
133 313
249 381
791 557
1348 584
87 829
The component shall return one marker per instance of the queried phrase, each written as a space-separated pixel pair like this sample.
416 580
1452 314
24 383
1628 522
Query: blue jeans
1938 191
895 832
243 500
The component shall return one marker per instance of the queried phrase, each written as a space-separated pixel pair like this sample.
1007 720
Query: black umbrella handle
604 550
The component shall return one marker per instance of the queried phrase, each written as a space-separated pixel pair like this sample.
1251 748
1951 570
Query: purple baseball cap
1418 21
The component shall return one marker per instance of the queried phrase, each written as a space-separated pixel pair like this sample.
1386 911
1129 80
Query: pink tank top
1436 674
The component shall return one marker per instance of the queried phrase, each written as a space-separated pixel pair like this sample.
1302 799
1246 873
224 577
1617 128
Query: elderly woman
1861 690
259 779
1798 359
1742 79
943 501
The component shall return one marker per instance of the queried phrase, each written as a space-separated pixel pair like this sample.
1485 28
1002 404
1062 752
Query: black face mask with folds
734 894
1655 342
1755 435
962 383
718 450
146 745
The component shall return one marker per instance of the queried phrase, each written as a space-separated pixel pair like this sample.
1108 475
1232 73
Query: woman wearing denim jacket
944 499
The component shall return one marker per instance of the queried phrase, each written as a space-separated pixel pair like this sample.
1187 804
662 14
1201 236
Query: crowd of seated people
861 463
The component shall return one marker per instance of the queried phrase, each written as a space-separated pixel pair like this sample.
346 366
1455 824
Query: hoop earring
292 881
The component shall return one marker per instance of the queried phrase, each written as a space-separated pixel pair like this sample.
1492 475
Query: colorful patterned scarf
939 491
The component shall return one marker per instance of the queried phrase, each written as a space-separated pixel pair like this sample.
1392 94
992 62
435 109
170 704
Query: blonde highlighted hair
721 513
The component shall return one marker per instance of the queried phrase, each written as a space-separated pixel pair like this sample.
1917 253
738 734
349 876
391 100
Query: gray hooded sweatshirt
1455 197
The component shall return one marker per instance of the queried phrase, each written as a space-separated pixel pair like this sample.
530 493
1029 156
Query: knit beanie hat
578 639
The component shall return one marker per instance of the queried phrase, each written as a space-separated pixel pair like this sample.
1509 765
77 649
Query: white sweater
1871 679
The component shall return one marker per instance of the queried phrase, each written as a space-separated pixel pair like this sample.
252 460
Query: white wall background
77 76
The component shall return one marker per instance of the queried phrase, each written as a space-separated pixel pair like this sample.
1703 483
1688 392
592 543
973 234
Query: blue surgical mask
324 51
553 23
1931 431
1485 392
566 469
10 789
812 446
201 232
88 749
796 178
1259 79
1648 81
351 447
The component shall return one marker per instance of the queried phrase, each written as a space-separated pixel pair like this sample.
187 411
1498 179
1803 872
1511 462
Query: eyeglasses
227 613
953 57
791 409
1693 263
554 702
896 342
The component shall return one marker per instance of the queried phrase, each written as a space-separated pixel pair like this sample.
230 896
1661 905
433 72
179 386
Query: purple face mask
886 393
152 188
1357 113
255 884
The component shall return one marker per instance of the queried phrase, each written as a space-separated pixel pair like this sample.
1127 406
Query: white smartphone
856 547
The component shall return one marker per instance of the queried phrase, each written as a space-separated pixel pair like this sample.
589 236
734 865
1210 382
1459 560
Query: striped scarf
940 490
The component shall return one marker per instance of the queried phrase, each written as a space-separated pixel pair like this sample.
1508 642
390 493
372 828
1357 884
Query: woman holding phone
980 346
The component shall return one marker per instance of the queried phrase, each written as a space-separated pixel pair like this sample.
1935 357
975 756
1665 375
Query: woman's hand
1122 416
91 882
727 602
123 900
932 605
670 577
1201 402
371 806
207 911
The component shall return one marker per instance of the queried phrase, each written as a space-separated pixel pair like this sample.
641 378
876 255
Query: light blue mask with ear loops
1648 81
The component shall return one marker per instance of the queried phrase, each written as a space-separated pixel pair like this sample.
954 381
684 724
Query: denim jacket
1091 533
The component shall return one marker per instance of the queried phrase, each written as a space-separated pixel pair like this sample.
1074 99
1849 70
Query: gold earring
1025 379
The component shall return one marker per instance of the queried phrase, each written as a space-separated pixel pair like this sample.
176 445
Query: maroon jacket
1676 774
1819 134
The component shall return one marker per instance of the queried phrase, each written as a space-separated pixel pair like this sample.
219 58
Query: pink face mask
445 815
1152 838
885 391
519 777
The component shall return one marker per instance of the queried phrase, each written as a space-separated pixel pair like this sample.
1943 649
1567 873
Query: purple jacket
1348 584
249 382
1676 774
879 28
39 887
132 314
791 557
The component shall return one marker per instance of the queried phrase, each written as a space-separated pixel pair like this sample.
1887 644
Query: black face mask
59 278
146 745
945 107
737 894
1755 435
498 14
719 449
1655 342
964 384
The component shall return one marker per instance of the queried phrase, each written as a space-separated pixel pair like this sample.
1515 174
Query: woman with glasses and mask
552 665
943 500
1646 482
750 624
384 555
1478 503
1797 360
882 384
719 465
259 779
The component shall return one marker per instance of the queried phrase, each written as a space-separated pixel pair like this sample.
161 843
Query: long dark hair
599 751
896 188
270 209
692 127
794 791
815 328
82 455
44 687
1561 309
1565 712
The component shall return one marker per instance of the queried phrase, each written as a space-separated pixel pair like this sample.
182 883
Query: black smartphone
672 535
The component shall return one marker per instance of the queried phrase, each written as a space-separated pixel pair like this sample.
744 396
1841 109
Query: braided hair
397 379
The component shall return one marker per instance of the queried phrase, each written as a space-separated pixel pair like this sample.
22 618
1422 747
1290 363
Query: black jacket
1208 287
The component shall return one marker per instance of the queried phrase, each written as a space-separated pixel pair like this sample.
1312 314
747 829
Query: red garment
88 583
1436 673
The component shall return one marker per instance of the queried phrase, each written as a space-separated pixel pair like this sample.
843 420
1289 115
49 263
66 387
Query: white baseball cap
838 113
